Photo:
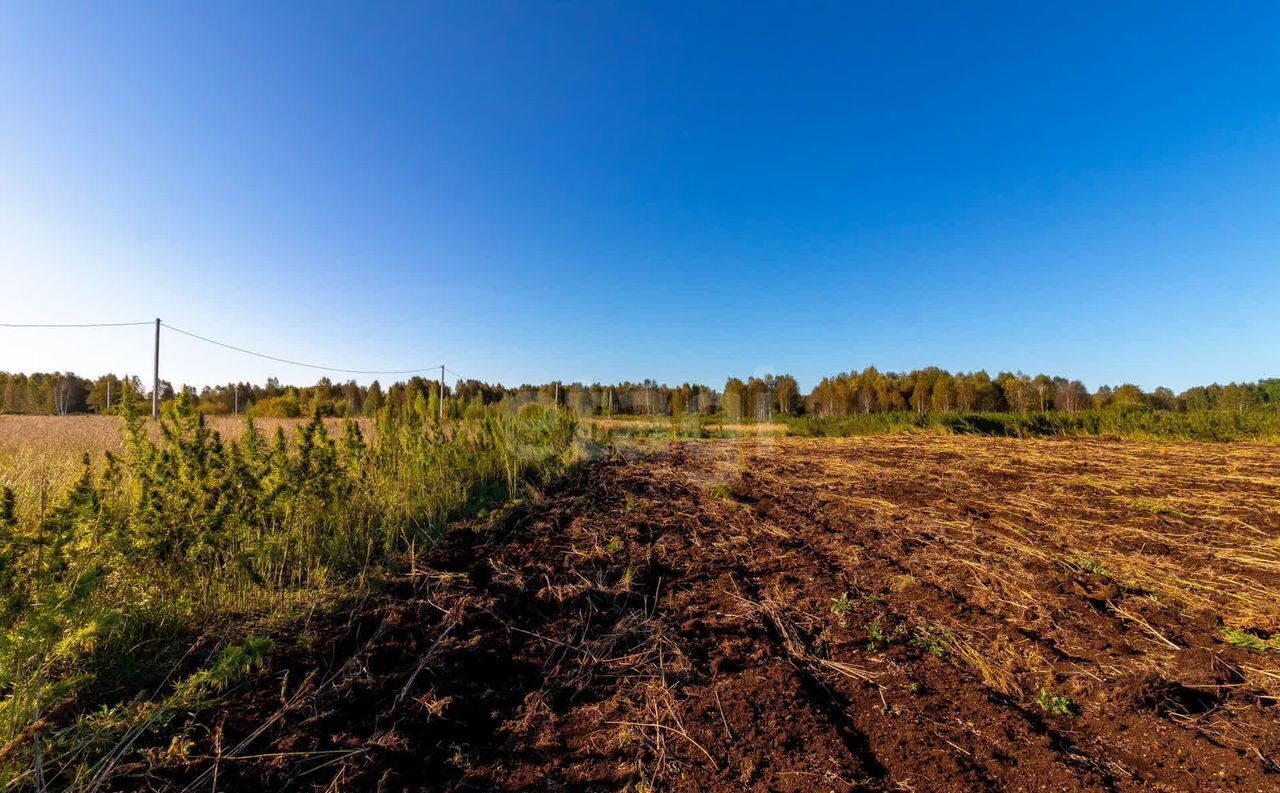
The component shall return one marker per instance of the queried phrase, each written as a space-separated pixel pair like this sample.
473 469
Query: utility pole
155 385
557 397
441 393
108 392
237 402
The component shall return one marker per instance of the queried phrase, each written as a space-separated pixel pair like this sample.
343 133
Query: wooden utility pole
155 383
557 397
237 401
108 392
441 393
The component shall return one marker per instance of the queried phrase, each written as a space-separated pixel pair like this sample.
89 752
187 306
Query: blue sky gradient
608 191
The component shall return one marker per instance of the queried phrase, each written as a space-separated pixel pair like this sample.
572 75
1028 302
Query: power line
220 344
71 324
295 363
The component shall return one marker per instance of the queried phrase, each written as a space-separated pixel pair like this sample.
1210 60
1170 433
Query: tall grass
105 585
1136 424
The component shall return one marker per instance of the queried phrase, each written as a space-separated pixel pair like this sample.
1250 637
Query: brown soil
910 613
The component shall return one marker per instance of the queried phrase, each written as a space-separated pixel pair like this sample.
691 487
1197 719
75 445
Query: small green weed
1055 704
930 640
876 631
842 605
881 638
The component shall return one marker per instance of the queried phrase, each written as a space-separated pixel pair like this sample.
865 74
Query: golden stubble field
39 455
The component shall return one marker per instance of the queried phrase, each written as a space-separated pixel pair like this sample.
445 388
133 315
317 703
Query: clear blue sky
682 191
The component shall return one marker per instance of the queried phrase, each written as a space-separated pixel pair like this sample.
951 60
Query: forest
921 391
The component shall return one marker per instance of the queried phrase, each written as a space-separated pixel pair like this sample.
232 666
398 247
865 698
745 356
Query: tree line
929 390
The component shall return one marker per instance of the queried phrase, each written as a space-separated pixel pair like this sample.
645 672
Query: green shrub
281 407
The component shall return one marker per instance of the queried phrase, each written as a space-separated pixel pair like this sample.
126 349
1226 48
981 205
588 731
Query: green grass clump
1250 641
721 491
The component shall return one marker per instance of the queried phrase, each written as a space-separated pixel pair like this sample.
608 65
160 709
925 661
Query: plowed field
903 613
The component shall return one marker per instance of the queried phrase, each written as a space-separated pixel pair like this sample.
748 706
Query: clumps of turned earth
906 613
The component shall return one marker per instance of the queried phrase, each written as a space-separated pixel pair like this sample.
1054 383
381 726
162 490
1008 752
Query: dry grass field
63 435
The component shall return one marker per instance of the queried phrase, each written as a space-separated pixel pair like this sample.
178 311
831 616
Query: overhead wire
296 363
72 324
208 340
